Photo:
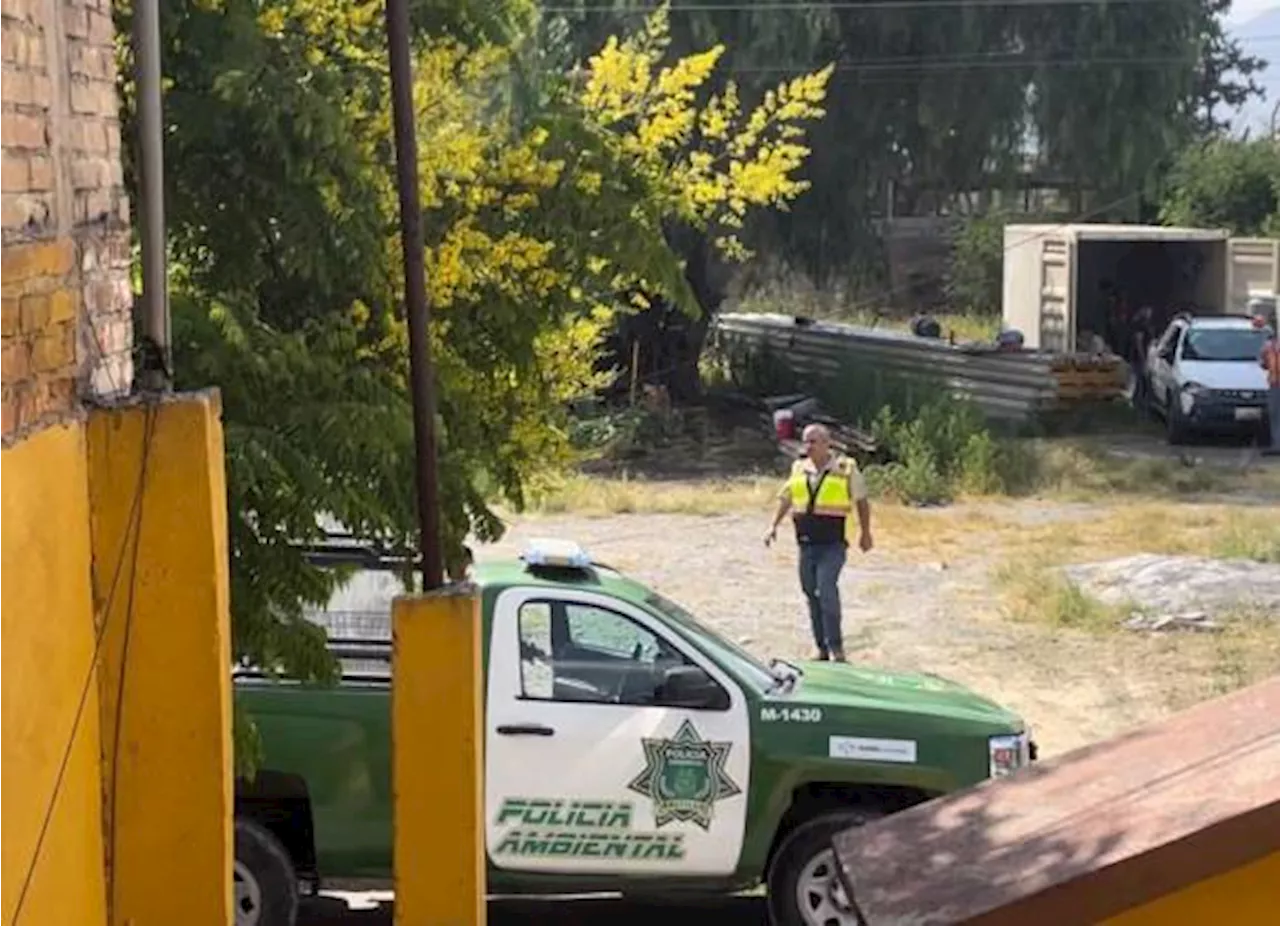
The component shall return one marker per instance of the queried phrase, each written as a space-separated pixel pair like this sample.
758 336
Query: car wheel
265 886
804 884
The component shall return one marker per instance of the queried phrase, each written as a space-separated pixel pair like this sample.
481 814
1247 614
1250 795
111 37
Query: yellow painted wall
172 845
48 632
1247 896
438 789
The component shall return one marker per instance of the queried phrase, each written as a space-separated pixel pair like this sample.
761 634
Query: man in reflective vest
821 492
1269 360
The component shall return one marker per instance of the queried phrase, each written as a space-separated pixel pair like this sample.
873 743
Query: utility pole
156 351
422 387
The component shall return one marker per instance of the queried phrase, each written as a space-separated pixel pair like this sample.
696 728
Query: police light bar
564 554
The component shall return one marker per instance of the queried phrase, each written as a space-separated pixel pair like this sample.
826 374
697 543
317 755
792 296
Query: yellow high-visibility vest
832 498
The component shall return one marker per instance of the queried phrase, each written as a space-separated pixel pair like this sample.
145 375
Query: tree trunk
668 342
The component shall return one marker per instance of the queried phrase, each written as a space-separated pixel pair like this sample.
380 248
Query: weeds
1035 592
1250 536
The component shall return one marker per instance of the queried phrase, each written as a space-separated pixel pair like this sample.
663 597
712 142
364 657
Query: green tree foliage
977 261
1226 183
545 192
929 101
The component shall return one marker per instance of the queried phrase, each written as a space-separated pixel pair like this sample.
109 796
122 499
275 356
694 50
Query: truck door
1163 354
612 747
1253 269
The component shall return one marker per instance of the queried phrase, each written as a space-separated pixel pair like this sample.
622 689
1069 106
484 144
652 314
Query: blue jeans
820 565
1273 413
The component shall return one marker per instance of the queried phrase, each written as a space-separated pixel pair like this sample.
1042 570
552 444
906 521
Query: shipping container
1056 277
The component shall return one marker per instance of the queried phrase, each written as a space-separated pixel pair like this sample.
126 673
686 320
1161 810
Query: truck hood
1223 375
836 684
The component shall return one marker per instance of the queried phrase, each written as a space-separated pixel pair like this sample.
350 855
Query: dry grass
1034 592
1209 665
1065 471
1254 536
993 527
1080 470
606 496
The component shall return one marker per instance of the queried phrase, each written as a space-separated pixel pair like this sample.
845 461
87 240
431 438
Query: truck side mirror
691 686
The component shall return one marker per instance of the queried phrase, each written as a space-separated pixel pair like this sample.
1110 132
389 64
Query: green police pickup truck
628 748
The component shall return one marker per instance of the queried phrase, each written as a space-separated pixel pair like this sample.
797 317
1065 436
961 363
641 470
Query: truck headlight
1008 753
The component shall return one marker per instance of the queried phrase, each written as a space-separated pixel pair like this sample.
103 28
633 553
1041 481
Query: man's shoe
838 656
822 656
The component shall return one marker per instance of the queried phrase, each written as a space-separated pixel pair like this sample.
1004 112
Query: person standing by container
1269 360
823 490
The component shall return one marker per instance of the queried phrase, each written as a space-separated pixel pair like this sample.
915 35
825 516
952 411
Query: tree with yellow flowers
548 194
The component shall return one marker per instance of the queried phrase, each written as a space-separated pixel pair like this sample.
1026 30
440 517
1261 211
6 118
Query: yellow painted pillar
437 745
1244 896
158 507
49 758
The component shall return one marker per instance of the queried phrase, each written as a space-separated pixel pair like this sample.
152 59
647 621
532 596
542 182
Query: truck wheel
266 889
804 886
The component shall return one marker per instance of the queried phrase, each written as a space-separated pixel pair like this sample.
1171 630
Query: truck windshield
1228 345
727 651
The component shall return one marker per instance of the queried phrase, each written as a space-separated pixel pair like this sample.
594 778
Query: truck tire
266 888
804 887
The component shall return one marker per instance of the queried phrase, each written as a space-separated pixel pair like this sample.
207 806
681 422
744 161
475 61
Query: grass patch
1249 536
1035 592
1083 469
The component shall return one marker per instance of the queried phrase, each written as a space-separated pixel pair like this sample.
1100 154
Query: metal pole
155 288
415 293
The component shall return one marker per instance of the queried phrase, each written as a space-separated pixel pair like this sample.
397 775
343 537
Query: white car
1203 375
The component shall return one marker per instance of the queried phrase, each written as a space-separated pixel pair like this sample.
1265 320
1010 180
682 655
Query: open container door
1039 283
1058 292
1253 269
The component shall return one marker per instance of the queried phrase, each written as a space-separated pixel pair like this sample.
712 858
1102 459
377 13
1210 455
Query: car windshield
1223 344
727 651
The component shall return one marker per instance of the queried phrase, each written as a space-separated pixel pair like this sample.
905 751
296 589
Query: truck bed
337 740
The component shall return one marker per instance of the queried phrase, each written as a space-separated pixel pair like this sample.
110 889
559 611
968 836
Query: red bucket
784 424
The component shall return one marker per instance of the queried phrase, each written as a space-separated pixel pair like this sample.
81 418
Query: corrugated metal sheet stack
1013 386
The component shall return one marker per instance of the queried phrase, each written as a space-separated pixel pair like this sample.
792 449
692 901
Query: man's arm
858 492
784 505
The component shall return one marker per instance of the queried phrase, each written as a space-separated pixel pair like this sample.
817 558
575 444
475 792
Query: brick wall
66 246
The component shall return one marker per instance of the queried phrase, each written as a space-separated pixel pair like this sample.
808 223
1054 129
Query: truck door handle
525 729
